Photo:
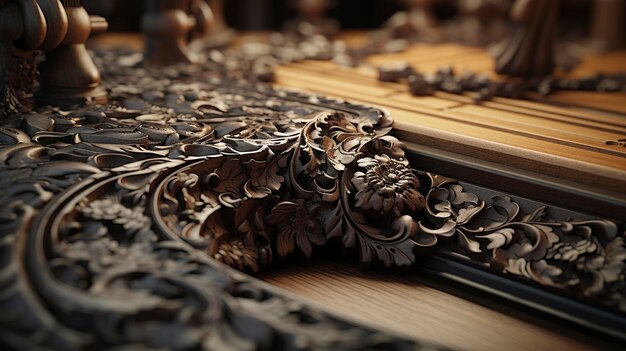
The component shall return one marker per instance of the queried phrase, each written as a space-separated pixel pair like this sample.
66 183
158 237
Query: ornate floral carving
386 184
93 257
584 258
115 218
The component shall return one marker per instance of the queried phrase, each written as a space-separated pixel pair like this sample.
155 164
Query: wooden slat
559 130
614 102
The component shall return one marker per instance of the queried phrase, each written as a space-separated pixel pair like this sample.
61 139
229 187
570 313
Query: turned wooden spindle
68 76
59 29
203 17
529 50
169 25
28 32
210 30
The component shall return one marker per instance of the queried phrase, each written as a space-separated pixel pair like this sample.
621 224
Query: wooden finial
68 76
28 27
218 34
21 24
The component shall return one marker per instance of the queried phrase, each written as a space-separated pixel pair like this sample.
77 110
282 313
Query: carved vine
360 191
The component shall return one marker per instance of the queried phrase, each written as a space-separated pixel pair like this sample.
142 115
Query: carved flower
297 225
604 264
133 220
387 184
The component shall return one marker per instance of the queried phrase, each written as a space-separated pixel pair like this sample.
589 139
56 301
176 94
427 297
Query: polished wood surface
403 303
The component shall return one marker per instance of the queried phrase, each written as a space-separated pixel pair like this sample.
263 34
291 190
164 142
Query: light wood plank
404 304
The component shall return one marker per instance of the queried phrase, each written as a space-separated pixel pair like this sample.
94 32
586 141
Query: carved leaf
285 243
501 212
334 222
467 243
466 214
458 196
536 216
446 229
265 177
498 238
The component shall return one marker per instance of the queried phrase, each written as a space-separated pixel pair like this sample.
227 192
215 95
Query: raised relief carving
115 217
94 199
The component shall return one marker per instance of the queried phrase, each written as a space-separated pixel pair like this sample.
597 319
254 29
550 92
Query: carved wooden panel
116 217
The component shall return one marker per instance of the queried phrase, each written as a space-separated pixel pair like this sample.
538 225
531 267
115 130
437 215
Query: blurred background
124 15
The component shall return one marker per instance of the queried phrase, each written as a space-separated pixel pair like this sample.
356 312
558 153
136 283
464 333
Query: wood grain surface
403 303
566 135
